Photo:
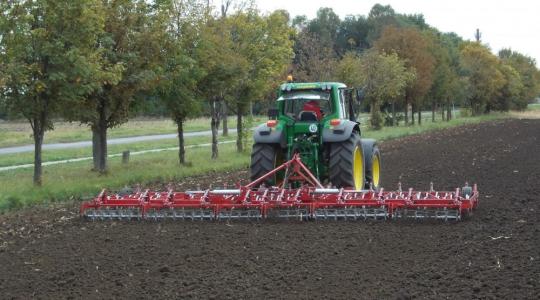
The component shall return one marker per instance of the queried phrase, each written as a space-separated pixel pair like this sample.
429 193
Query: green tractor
317 121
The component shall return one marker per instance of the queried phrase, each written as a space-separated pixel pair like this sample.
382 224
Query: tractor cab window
347 104
343 102
306 105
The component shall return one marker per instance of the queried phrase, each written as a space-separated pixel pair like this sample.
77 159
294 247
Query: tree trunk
181 147
376 121
224 115
448 111
443 111
419 115
102 167
394 123
413 107
214 126
406 111
95 147
102 136
239 133
433 109
38 143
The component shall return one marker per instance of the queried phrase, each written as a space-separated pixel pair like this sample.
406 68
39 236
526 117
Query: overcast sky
514 24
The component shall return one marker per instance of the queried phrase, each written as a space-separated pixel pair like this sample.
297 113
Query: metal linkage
309 201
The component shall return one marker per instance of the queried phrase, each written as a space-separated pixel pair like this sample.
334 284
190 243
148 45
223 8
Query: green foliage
128 63
325 25
528 73
481 69
349 70
49 60
180 72
384 77
313 61
511 94
259 50
412 47
47 50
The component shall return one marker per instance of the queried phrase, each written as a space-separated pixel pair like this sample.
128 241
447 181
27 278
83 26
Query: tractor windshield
306 105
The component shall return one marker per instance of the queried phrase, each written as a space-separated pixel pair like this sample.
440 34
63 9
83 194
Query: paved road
71 160
116 141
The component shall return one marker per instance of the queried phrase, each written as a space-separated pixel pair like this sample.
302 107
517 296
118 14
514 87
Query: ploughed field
52 253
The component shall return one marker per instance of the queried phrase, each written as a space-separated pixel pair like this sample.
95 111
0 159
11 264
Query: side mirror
273 113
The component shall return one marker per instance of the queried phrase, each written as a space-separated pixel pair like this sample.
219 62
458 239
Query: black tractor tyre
341 171
264 158
372 156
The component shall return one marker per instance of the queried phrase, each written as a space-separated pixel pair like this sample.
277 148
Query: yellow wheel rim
376 171
358 168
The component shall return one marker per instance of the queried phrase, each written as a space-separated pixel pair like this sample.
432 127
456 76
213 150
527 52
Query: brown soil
51 253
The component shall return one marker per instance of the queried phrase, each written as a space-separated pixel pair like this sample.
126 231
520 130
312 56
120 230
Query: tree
128 48
221 66
511 93
352 35
379 17
312 60
384 77
485 79
412 47
325 26
526 67
445 74
264 44
47 48
349 70
183 21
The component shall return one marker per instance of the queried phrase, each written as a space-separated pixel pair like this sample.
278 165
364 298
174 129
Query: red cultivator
310 200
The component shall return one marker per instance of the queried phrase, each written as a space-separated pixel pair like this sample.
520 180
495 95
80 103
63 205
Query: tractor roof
310 85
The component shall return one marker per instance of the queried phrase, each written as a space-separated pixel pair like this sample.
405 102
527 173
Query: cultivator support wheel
309 200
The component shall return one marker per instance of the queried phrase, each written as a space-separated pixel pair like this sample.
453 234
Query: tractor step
309 201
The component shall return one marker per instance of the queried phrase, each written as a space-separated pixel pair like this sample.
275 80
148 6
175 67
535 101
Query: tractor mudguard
266 135
340 132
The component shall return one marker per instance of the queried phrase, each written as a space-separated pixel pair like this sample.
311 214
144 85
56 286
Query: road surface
115 141
72 160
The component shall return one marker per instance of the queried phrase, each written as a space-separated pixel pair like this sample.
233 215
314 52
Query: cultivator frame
308 200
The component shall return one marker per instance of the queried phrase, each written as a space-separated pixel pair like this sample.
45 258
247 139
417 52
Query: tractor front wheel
347 165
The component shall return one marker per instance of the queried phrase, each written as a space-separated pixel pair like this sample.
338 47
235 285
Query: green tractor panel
317 121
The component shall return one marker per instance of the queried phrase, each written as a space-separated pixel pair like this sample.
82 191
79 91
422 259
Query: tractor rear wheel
347 167
265 158
372 159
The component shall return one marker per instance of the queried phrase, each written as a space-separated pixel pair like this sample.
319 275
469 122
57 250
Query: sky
503 24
